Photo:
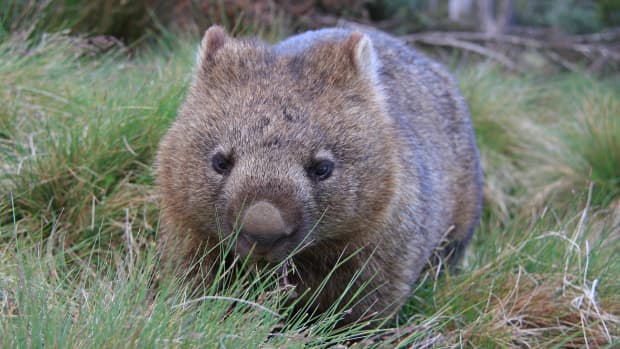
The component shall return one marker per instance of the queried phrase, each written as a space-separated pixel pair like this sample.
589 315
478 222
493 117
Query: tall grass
580 145
78 217
81 133
498 105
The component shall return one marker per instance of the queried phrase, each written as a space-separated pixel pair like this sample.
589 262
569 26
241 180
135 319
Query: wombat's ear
363 55
214 39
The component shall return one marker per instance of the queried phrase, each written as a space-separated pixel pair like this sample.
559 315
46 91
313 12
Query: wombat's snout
264 225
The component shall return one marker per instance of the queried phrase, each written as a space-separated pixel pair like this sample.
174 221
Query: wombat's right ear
363 56
214 39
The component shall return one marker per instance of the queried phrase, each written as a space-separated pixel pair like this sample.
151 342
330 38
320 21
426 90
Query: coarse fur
406 176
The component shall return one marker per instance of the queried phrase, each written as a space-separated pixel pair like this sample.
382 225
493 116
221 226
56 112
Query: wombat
332 145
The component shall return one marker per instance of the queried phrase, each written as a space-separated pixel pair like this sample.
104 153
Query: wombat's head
290 150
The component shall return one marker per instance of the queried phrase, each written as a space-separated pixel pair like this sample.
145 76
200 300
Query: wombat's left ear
363 55
214 39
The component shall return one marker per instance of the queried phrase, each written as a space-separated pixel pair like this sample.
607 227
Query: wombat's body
350 129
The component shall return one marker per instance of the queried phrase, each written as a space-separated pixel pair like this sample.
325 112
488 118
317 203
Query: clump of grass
130 302
553 284
580 145
543 141
498 103
83 132
48 304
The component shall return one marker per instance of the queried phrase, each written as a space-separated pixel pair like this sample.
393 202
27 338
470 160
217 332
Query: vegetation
79 217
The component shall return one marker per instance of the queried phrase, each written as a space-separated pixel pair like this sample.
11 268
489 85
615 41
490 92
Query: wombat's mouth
272 251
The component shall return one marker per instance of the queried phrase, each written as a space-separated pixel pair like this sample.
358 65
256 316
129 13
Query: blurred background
519 34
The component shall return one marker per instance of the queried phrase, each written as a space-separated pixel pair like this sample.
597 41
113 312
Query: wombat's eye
321 170
221 164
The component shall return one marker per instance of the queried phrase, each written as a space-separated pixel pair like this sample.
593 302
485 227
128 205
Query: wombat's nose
263 224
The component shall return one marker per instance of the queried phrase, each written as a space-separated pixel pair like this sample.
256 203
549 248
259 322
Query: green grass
78 216
582 144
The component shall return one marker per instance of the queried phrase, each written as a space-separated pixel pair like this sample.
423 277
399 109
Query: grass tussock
78 217
498 104
81 133
579 146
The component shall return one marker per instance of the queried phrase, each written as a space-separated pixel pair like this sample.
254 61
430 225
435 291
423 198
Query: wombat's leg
449 255
453 254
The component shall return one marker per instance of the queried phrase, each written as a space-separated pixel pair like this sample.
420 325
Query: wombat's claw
286 285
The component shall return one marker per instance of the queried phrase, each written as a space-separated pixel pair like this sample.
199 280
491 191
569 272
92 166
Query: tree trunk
458 9
494 20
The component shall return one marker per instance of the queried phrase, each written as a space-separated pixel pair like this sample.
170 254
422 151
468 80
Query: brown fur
406 175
